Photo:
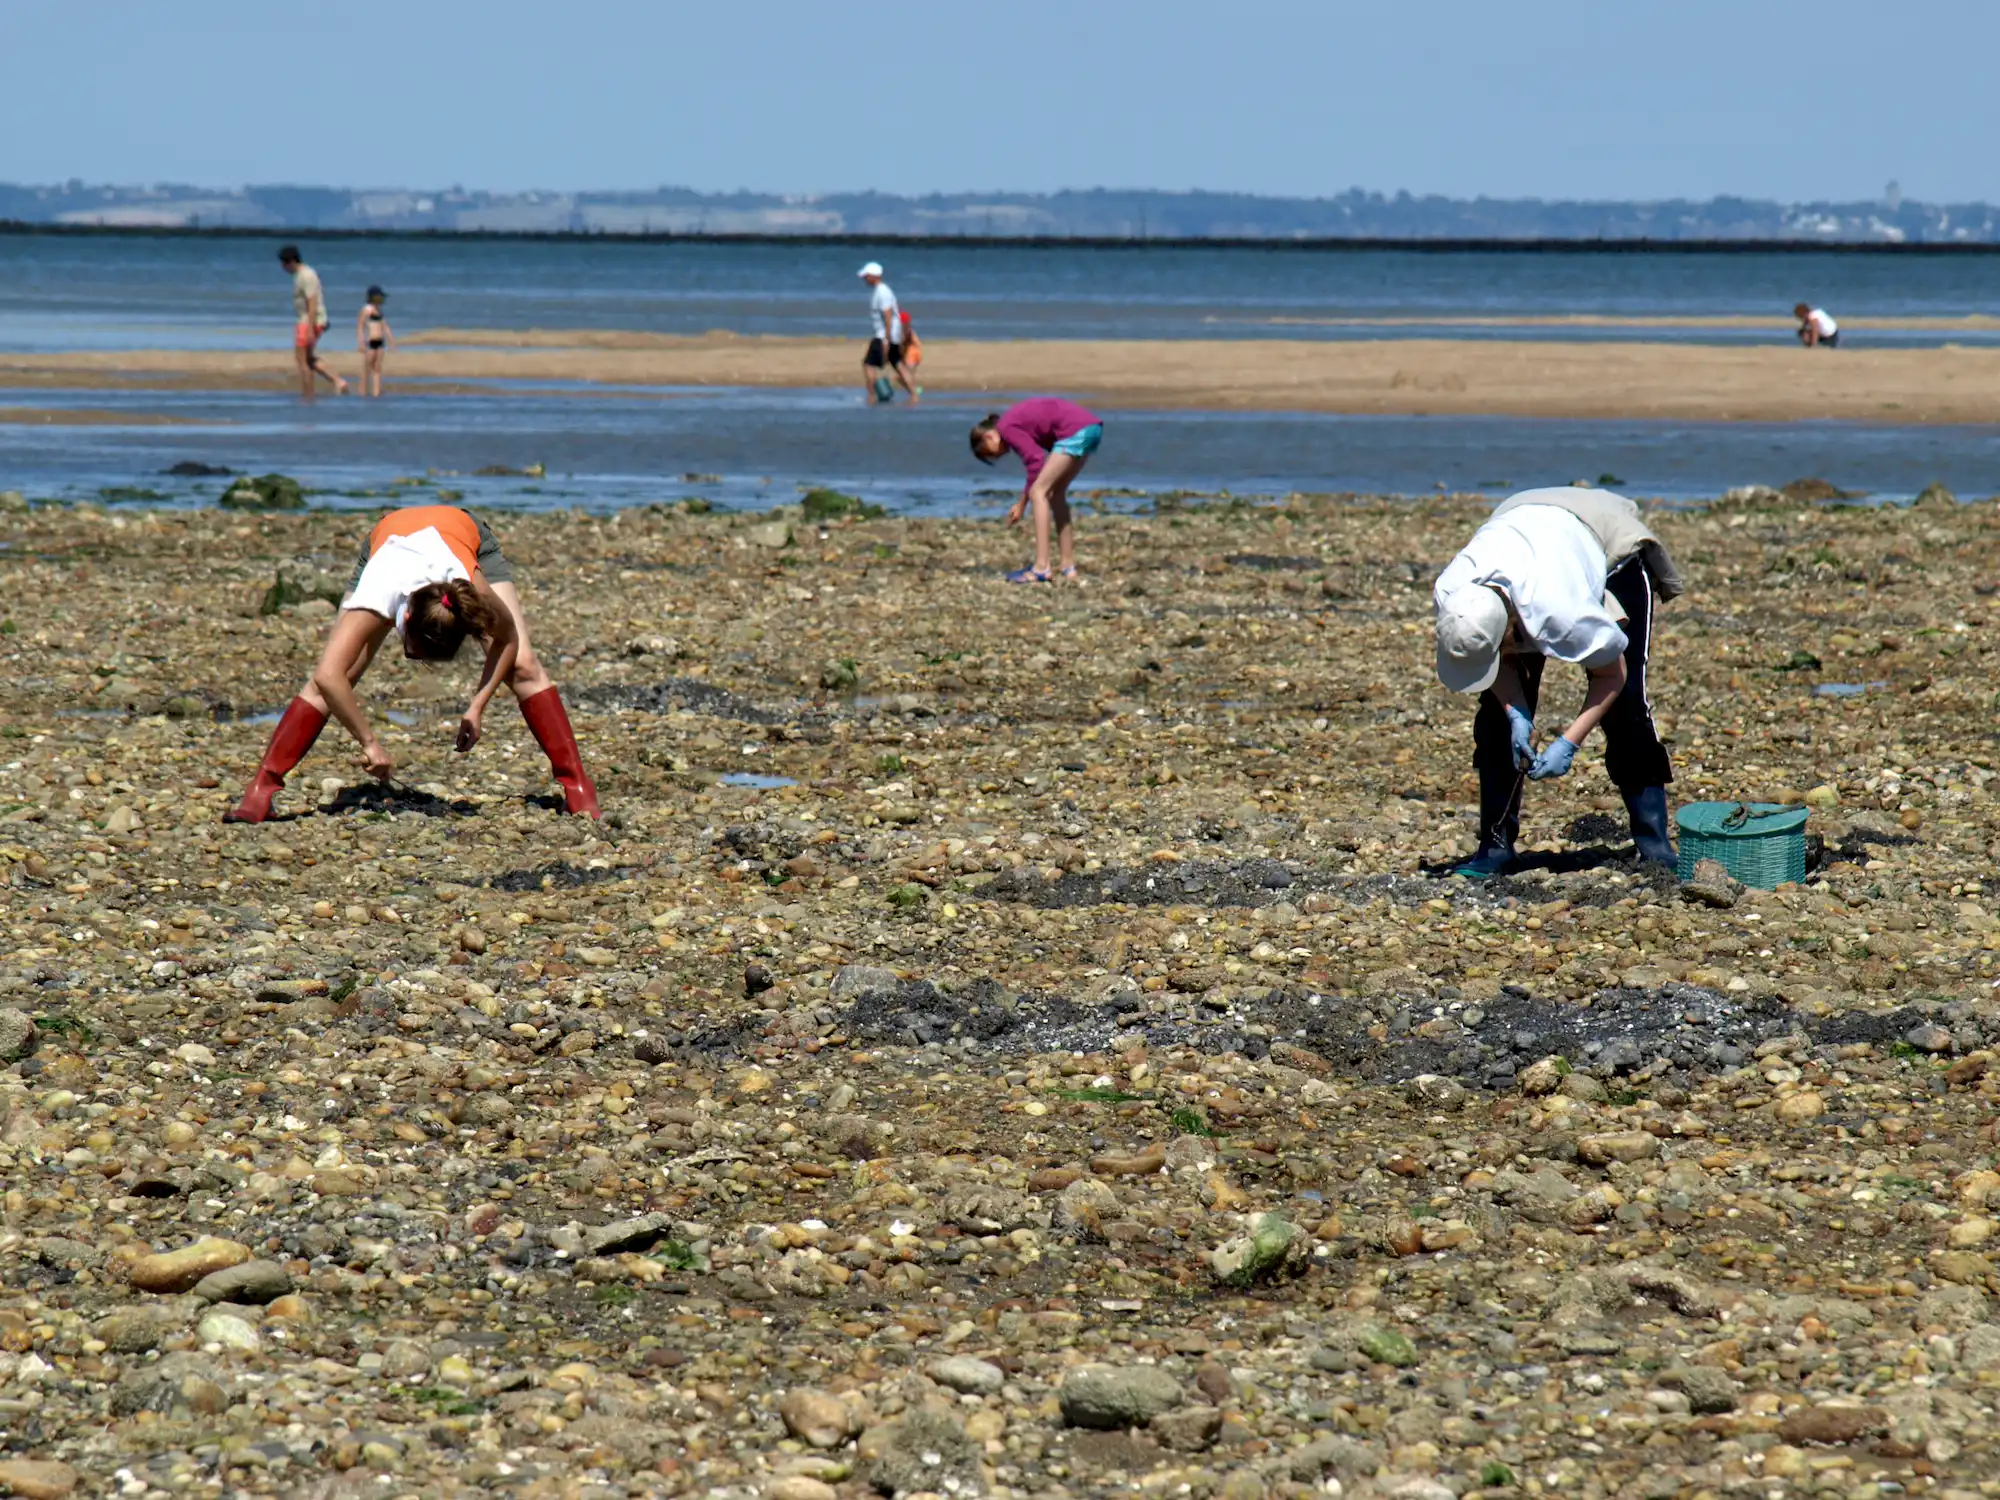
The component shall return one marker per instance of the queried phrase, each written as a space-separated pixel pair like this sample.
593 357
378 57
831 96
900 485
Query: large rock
969 1376
1829 1426
640 1233
1273 1245
36 1479
254 1282
17 1034
179 1270
854 981
925 1452
264 492
819 1418
1108 1397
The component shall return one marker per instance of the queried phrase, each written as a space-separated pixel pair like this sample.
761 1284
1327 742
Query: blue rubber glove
1521 729
1552 762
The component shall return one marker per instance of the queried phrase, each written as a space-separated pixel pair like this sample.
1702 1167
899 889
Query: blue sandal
1029 575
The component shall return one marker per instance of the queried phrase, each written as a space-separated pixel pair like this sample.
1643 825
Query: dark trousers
1634 758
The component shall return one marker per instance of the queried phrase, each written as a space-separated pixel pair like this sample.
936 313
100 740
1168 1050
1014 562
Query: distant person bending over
309 313
434 575
372 337
1816 326
885 341
1054 439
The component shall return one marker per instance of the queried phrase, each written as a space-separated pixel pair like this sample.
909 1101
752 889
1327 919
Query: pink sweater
1037 425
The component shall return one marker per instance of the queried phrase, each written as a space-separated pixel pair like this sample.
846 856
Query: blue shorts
1081 444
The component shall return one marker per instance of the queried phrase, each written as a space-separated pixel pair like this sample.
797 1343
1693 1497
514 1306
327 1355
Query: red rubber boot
550 726
294 735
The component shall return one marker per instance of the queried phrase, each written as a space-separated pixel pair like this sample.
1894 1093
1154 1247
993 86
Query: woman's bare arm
348 652
503 648
1606 683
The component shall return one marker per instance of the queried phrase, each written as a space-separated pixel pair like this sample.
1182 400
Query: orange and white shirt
410 549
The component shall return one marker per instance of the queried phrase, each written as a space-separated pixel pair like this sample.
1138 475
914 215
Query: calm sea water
605 447
115 292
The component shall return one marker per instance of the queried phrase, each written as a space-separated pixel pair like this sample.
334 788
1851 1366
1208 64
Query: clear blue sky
1569 98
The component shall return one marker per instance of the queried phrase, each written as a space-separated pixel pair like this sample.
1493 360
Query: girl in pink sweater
1054 439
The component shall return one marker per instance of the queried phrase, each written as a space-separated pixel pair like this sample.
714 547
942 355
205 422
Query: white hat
873 268
1470 627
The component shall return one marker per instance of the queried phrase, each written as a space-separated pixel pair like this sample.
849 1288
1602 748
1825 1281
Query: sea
602 447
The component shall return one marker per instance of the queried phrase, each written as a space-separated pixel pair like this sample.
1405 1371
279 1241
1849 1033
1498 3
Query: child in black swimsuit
372 337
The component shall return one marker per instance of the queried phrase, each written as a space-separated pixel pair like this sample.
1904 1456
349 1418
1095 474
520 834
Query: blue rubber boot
1648 809
1489 861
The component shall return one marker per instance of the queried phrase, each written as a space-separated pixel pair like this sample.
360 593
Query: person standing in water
1816 327
309 322
1054 439
885 340
434 575
1530 585
372 336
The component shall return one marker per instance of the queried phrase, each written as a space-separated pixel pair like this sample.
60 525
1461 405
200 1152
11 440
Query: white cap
1470 627
873 268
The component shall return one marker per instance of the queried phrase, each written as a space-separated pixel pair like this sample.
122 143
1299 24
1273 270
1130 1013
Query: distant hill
1097 213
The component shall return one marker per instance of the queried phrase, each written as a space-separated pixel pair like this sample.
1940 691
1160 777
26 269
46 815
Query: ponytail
442 615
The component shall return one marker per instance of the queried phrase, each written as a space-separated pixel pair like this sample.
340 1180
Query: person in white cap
885 340
1541 579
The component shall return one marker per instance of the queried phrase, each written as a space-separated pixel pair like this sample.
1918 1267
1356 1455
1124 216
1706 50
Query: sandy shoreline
1436 377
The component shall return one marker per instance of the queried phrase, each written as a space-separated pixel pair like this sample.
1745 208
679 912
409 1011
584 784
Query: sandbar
1418 376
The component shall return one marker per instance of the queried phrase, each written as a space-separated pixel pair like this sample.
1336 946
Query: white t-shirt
1821 319
1552 566
401 566
881 303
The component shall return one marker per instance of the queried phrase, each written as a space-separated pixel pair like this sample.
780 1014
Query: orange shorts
305 335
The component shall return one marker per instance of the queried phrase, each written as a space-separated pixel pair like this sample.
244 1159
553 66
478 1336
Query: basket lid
1741 820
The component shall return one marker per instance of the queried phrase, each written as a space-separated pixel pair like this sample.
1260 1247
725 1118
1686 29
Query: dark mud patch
1621 1035
1597 877
373 797
1262 562
559 877
686 695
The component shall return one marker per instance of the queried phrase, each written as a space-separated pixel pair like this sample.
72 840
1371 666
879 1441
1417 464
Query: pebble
1110 1396
180 1270
819 1418
963 1373
254 1281
37 1479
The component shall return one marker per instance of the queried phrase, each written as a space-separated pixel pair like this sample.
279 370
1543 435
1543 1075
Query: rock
1430 1091
179 1270
968 1376
13 503
1188 1429
826 505
799 1487
1331 1455
234 1333
1620 1145
1797 1108
1543 1077
1979 1348
135 1330
36 1479
1928 1038
772 535
1138 1164
1831 1425
1935 493
1273 1244
818 1418
1084 1208
1709 1390
924 1452
18 1035
1711 884
255 1282
634 1234
855 981
1753 495
1822 797
839 676
1386 1346
264 492
1108 1397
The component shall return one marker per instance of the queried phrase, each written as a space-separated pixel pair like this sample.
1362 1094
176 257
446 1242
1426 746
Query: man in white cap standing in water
1547 576
885 338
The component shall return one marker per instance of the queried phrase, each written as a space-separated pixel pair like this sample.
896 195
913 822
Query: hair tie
444 598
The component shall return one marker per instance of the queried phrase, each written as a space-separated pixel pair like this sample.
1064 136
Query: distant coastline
1096 215
1430 244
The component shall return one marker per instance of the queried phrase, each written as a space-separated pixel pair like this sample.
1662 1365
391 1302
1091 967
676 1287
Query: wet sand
1441 377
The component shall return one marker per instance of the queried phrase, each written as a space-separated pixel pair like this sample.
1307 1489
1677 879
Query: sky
1535 98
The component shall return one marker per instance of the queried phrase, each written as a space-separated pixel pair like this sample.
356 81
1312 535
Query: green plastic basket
1760 843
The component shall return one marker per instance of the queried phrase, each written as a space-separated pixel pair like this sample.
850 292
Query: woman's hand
375 761
468 731
1018 510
